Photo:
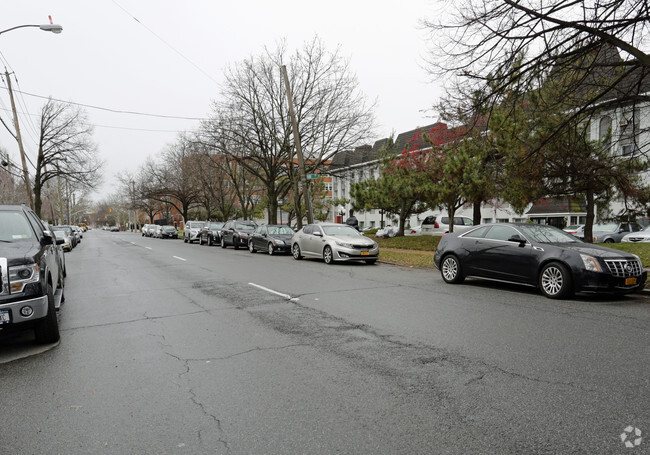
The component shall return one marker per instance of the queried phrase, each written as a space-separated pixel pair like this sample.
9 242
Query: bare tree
251 123
65 150
173 181
604 43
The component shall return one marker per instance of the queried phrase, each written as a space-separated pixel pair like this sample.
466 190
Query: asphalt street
171 348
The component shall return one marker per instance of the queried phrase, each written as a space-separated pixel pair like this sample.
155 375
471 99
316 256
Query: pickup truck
31 278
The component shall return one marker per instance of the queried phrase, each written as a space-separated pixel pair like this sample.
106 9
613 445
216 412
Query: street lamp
54 28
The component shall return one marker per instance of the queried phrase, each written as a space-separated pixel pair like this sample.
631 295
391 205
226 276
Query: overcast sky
171 62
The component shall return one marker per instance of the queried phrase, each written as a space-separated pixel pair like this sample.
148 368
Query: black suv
31 279
236 233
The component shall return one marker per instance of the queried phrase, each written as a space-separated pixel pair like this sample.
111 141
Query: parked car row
329 241
159 231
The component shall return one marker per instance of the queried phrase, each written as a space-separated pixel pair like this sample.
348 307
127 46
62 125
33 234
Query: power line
166 43
6 109
116 111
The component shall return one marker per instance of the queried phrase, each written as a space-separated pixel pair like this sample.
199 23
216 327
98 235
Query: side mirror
517 238
60 241
318 234
47 238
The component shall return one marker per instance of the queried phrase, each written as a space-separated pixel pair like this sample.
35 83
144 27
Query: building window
604 131
328 187
519 220
502 220
372 224
629 129
486 221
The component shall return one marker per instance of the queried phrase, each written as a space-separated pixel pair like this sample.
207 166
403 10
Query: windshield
278 230
341 230
245 227
608 227
216 225
547 234
169 228
60 234
14 226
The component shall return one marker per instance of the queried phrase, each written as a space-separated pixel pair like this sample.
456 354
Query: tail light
436 225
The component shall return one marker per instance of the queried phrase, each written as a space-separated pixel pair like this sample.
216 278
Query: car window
317 230
244 227
468 221
342 230
308 229
548 234
36 224
429 220
500 233
14 226
278 230
444 220
608 227
478 233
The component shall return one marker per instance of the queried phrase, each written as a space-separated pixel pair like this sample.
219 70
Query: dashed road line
180 259
285 296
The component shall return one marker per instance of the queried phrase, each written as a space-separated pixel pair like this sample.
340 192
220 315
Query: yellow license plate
630 281
365 253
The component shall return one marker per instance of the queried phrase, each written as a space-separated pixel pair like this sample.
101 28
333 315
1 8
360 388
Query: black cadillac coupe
536 255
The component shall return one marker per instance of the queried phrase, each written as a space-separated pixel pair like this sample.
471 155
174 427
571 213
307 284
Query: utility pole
296 139
19 138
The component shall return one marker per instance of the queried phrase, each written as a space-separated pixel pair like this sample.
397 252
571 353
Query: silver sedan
333 242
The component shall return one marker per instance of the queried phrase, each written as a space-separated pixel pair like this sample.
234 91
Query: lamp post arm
17 26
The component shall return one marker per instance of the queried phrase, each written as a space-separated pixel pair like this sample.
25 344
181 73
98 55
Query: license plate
5 318
365 253
630 281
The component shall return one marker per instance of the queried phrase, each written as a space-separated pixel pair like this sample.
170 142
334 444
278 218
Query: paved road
175 348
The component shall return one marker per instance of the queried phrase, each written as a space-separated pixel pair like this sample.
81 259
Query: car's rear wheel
609 241
251 247
235 242
270 249
328 256
295 250
47 329
450 270
184 239
223 242
555 281
210 242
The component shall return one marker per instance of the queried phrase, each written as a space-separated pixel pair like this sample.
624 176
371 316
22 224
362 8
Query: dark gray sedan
541 256
272 238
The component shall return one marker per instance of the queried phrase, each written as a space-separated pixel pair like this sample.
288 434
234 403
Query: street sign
312 176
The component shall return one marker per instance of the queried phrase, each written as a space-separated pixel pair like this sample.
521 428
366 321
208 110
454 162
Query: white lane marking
180 259
286 296
132 243
148 247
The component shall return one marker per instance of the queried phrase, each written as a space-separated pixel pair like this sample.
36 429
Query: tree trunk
451 211
591 209
476 212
